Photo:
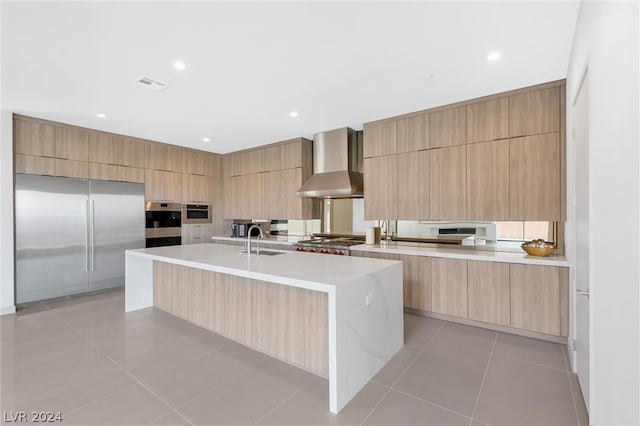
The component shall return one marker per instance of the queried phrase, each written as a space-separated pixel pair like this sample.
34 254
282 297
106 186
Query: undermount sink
264 252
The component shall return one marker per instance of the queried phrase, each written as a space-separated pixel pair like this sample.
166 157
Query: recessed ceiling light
179 66
493 56
101 115
206 139
293 114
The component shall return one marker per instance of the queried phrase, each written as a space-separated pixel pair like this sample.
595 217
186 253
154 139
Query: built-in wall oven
196 213
163 222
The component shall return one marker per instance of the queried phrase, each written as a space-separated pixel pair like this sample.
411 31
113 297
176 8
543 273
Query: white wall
6 213
606 41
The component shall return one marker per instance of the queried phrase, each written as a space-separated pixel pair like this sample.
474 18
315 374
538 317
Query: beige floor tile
459 337
187 381
519 393
51 371
399 409
285 372
446 376
171 419
73 392
530 350
132 406
34 351
243 400
583 415
136 340
418 330
310 406
396 366
83 300
161 358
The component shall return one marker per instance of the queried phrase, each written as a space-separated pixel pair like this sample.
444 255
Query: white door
583 253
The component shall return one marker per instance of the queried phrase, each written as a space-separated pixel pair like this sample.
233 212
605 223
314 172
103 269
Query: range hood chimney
337 166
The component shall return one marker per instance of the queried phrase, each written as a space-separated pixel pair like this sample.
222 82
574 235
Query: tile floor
95 364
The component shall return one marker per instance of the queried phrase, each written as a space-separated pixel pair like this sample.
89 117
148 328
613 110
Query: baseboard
8 310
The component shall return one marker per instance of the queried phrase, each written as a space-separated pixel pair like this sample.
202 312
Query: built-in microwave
196 213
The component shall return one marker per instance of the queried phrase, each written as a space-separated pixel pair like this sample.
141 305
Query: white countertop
312 271
422 249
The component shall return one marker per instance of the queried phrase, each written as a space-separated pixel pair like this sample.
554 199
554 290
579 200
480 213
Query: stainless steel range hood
337 165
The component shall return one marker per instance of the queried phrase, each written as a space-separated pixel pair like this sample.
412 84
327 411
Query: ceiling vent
151 83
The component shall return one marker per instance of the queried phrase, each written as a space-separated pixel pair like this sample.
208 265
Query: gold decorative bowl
539 247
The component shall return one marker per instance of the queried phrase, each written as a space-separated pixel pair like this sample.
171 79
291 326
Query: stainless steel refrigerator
71 234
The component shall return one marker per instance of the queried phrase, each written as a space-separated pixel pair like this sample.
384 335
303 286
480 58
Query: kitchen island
339 317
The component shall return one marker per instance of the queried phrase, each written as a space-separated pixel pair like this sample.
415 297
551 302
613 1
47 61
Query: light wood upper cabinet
101 171
131 174
227 163
488 121
33 138
103 148
160 156
449 286
381 187
272 158
488 180
535 177
413 185
162 186
197 188
535 298
413 133
380 139
212 164
131 152
194 162
72 144
33 165
489 292
228 197
448 127
447 194
71 168
248 162
416 274
535 112
282 156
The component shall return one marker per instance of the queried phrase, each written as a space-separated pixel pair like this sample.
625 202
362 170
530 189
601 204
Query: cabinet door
103 148
447 194
291 155
534 163
416 282
212 164
162 186
71 168
160 156
381 187
413 185
196 188
448 127
413 133
131 152
227 163
131 174
194 162
34 139
272 158
32 165
380 139
228 198
72 144
488 180
535 298
449 286
272 195
488 121
104 171
489 292
535 112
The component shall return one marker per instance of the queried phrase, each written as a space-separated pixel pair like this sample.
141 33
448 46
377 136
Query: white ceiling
249 64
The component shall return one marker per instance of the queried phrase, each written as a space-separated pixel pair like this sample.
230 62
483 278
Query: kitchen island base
338 317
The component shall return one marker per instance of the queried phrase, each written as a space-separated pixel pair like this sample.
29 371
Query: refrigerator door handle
93 235
88 237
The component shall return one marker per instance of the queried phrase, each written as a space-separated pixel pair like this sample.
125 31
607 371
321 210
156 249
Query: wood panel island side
339 317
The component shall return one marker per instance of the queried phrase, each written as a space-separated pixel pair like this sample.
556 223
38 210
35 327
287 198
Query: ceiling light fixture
293 114
179 66
101 115
206 139
493 56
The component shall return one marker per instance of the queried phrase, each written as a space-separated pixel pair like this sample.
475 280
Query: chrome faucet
255 225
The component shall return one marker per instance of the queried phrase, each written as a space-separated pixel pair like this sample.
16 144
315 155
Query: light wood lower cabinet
535 298
416 279
33 165
449 287
197 233
162 186
489 292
